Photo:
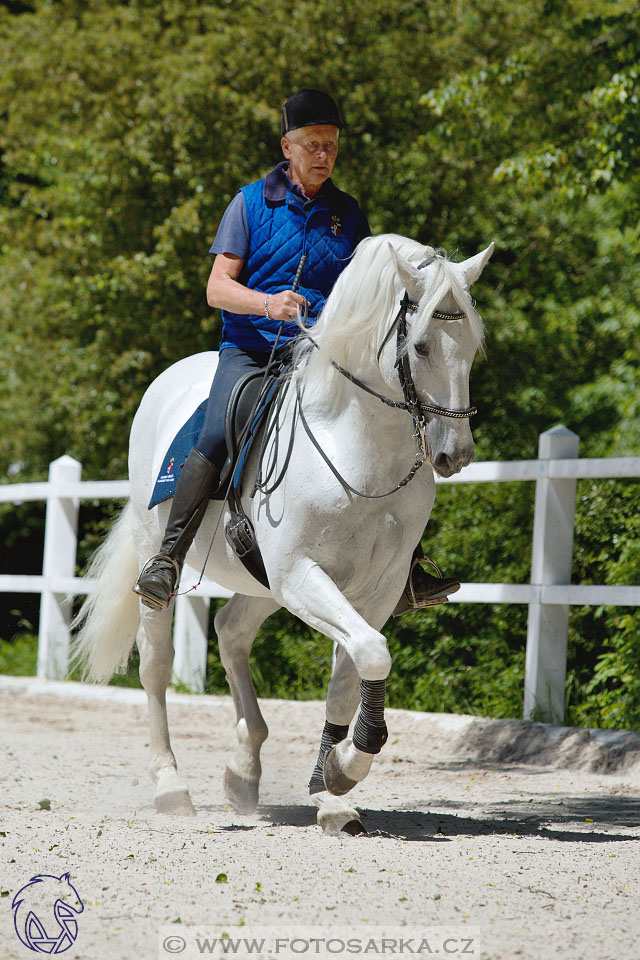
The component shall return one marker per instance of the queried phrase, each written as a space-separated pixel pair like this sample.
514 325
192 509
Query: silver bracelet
266 306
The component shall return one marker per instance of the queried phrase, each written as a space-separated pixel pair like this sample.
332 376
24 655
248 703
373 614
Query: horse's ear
474 266
412 279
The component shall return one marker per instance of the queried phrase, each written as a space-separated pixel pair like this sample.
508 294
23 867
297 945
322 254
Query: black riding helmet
307 108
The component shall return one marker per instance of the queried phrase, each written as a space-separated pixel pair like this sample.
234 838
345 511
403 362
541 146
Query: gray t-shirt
233 232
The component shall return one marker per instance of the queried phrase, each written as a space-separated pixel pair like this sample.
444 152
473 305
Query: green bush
19 655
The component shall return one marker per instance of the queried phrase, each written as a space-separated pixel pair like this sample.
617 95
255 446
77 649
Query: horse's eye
422 349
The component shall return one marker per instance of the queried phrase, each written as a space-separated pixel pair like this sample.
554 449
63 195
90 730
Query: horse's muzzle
448 464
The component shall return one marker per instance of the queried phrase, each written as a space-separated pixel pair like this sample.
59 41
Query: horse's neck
370 421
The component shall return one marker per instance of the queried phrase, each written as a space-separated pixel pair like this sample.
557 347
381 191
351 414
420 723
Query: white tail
109 617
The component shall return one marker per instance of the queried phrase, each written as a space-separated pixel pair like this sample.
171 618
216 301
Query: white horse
334 558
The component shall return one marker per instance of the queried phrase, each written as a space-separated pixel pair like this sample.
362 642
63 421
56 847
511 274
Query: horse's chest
358 545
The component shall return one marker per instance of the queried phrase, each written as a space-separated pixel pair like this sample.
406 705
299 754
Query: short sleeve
233 232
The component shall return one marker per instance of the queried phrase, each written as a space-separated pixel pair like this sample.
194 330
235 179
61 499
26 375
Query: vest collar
276 184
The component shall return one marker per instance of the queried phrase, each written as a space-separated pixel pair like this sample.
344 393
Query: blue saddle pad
186 438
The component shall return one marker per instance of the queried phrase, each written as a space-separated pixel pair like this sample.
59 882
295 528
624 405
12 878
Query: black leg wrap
370 733
332 734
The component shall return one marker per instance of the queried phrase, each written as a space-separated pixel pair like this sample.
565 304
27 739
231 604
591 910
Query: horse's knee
371 656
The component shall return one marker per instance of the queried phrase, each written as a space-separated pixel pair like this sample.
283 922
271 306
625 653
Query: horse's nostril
446 464
443 465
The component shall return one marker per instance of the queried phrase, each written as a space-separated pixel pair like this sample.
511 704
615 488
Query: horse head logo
44 912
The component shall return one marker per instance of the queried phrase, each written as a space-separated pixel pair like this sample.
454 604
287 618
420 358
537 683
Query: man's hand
224 291
284 305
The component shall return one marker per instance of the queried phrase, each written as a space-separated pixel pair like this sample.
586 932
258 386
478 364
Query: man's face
312 153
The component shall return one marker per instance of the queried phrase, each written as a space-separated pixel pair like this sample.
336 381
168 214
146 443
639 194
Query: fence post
553 523
190 635
59 560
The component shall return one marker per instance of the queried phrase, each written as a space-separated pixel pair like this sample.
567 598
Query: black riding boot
160 575
422 589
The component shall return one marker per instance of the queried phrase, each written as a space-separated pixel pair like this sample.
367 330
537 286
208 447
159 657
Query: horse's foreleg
349 761
324 607
343 696
156 660
309 593
236 625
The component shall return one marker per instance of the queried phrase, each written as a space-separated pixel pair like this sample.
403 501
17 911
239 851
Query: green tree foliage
126 128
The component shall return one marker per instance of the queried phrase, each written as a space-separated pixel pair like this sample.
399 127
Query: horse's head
356 330
44 890
443 336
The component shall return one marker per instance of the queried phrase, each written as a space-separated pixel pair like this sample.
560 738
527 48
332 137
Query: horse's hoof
242 794
336 816
354 828
176 802
335 780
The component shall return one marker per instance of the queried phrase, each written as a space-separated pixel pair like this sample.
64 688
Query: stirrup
409 601
425 559
414 603
148 599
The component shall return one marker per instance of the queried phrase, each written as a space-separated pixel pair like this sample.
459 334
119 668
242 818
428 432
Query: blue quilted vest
282 226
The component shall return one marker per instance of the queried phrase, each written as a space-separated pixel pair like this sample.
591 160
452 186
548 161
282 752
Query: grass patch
19 655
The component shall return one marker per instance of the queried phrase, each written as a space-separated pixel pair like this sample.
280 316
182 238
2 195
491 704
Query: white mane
363 305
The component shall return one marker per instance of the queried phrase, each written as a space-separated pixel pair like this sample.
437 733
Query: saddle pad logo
336 225
168 475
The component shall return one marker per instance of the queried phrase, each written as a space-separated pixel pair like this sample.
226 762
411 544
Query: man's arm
224 292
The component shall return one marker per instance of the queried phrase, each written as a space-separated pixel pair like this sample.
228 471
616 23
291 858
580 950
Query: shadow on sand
562 820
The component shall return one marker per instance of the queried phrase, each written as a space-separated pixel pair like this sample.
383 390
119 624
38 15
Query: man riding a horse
281 245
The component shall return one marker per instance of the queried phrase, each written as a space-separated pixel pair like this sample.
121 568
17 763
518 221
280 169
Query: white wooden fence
549 594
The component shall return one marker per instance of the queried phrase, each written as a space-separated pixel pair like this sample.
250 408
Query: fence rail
549 595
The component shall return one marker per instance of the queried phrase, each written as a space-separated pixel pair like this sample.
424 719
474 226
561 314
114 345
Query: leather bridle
412 404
